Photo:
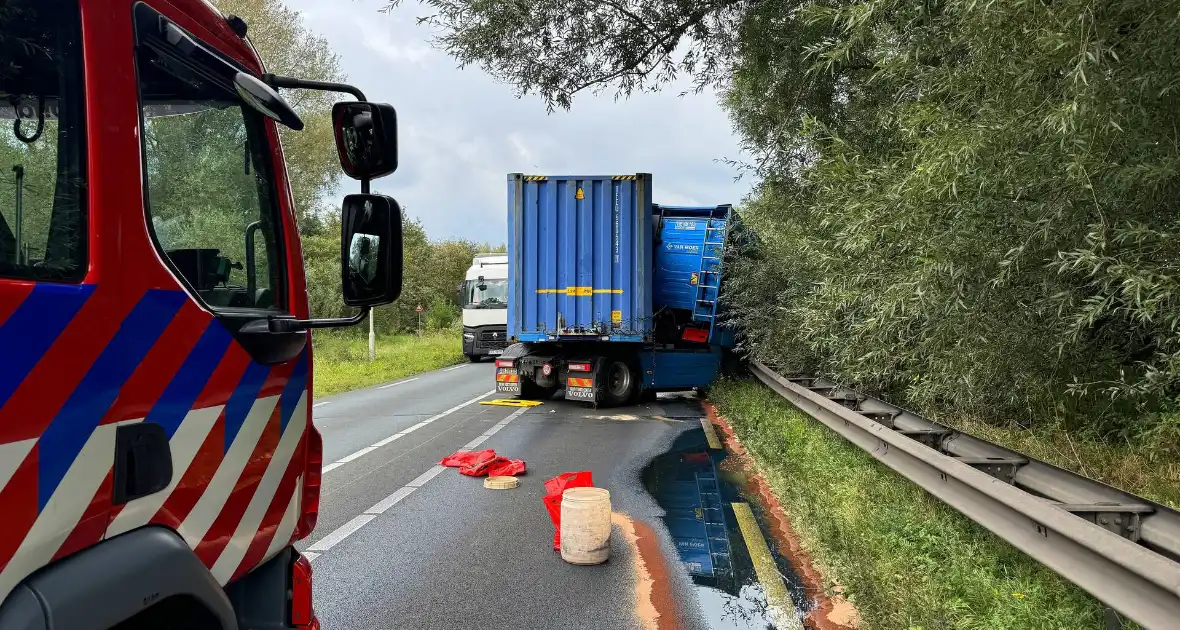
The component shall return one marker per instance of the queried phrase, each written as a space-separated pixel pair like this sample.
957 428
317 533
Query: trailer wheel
619 383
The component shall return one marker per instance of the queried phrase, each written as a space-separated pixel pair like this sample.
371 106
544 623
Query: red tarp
553 489
486 462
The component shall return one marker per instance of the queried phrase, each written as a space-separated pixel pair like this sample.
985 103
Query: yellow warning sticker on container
694 278
616 317
578 195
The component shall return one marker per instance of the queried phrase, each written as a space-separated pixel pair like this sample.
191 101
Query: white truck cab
484 296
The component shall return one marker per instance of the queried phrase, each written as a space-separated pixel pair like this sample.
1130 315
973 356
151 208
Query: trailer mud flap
507 381
579 388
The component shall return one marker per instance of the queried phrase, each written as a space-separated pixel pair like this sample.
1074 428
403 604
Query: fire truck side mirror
366 138
371 250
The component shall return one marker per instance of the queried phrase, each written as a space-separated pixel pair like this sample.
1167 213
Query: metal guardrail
1122 549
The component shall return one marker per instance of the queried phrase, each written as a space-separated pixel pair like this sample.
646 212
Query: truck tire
474 358
619 383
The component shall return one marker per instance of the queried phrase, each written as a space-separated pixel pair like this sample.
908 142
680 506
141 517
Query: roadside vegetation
433 268
968 208
342 361
903 558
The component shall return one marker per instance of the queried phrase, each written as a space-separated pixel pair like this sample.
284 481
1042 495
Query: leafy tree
969 206
289 48
557 48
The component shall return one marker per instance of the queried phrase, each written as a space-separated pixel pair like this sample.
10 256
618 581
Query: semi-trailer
611 298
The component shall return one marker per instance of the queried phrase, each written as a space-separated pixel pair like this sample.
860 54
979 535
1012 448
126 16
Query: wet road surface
404 543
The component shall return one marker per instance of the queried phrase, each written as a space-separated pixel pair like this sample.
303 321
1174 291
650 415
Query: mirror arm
279 324
277 82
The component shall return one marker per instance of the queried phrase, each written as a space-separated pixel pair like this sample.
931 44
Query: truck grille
493 339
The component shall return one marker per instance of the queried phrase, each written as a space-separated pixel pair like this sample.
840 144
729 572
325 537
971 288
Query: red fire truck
157 455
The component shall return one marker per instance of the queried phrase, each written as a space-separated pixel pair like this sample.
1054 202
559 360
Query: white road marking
492 431
426 476
342 532
351 527
321 404
389 439
398 383
369 449
503 423
470 446
451 369
356 455
390 501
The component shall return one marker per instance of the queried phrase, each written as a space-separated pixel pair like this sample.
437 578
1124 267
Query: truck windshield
495 295
42 139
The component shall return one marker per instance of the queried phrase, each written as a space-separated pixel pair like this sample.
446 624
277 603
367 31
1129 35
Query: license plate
495 352
579 393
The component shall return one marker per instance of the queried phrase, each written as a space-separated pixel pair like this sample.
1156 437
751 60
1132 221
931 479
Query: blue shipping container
691 241
581 257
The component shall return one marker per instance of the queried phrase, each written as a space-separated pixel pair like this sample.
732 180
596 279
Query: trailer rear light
302 614
309 505
504 363
579 367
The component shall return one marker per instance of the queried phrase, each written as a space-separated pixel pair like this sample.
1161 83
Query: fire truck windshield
42 138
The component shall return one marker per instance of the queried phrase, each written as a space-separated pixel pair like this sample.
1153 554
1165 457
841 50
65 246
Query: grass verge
905 560
342 362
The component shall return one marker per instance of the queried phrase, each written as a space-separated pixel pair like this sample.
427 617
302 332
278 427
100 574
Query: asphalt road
404 543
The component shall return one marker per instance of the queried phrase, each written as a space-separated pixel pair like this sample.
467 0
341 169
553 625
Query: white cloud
461 132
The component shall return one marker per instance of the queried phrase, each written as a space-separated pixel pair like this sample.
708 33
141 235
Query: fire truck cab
157 455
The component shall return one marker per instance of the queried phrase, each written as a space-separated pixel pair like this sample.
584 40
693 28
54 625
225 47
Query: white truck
484 297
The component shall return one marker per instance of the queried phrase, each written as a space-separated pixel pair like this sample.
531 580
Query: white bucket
585 525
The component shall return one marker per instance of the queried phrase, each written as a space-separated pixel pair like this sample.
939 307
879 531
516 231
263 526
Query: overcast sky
461 132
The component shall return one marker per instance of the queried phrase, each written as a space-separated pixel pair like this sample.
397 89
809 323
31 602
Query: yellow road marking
781 608
711 434
511 402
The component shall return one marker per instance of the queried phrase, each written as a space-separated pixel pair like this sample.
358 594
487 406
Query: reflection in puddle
696 493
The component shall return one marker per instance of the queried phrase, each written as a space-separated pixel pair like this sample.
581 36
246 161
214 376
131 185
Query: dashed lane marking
457 367
372 447
492 431
408 380
321 404
351 527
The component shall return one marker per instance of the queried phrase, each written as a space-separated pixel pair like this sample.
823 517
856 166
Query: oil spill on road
696 490
826 610
655 606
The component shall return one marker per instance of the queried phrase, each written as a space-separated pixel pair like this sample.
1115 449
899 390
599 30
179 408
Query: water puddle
697 494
